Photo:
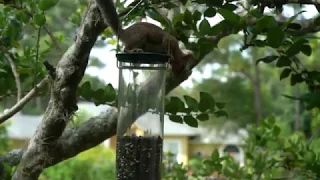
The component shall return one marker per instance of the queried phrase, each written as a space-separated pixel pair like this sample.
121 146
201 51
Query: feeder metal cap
143 58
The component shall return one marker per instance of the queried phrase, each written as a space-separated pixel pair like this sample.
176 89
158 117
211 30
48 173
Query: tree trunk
257 94
297 123
256 81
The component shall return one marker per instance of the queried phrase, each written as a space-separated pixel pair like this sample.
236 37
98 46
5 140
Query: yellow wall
18 143
185 146
188 150
205 149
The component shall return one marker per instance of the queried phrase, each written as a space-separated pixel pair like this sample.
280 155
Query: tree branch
99 128
69 72
15 74
53 39
52 143
19 105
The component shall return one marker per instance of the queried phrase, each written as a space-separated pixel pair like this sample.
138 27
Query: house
22 126
187 142
182 140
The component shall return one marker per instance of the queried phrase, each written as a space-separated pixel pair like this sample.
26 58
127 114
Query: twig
7 95
316 134
11 94
37 57
19 105
53 39
15 74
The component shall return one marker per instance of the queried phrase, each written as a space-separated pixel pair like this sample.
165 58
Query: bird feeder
141 115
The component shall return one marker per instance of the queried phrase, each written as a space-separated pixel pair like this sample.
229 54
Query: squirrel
143 36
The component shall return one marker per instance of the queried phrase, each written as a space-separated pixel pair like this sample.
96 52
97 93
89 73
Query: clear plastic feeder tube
141 115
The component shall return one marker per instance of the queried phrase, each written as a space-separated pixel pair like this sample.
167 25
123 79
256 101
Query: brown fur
144 36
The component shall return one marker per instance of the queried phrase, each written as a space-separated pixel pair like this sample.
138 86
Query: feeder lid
143 58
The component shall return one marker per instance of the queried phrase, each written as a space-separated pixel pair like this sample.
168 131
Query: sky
110 72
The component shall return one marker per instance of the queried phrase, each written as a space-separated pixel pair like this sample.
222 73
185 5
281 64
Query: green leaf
267 59
294 26
306 49
271 121
285 73
204 27
292 18
45 5
176 102
176 118
295 48
196 16
229 16
220 105
191 121
275 37
296 78
154 14
276 131
265 23
210 12
22 15
110 93
191 102
230 7
3 71
206 102
85 90
98 96
187 17
205 45
309 157
220 113
184 2
283 61
215 155
39 19
203 117
171 108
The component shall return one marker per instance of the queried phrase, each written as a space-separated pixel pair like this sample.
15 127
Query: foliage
269 155
4 141
96 163
192 110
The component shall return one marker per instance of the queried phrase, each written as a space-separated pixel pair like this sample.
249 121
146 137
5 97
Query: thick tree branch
19 105
69 72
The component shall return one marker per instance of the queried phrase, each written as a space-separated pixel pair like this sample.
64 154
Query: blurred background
250 92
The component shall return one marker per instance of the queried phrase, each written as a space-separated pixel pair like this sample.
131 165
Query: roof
170 128
23 126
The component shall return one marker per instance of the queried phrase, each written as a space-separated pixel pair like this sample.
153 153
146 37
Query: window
174 147
234 152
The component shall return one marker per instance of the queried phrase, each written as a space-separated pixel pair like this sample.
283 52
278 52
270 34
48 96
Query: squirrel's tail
109 14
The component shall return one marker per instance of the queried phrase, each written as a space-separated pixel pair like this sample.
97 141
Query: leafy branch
14 72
